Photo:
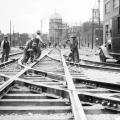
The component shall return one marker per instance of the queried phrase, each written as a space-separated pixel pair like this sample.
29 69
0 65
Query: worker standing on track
37 43
74 49
5 49
32 50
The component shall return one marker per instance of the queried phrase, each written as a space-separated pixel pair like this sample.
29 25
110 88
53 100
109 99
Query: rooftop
56 16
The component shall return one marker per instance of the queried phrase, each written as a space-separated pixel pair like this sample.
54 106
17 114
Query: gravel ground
31 116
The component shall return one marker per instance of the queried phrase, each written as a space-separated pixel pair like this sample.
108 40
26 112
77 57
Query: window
118 24
106 29
115 3
107 7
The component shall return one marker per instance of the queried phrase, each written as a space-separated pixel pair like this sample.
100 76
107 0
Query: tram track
34 91
98 88
97 93
102 65
50 89
96 96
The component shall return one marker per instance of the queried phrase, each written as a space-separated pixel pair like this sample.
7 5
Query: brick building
89 37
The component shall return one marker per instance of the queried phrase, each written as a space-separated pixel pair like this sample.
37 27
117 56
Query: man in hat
28 52
74 49
33 49
5 49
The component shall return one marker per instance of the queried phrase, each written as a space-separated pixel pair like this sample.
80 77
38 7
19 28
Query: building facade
91 35
111 9
55 28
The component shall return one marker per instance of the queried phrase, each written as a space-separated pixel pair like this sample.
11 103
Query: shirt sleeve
27 45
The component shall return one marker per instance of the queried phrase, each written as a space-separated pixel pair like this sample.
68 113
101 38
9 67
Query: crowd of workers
32 50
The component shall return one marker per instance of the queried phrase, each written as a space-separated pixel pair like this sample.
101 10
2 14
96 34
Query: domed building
55 28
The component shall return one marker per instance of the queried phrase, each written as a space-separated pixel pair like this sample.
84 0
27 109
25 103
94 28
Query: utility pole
92 27
10 33
99 40
41 26
13 37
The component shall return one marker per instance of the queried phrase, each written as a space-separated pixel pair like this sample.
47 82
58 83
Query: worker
49 44
74 49
32 50
28 52
5 49
40 43
38 36
55 44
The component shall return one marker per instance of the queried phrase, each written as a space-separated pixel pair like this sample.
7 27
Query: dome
56 16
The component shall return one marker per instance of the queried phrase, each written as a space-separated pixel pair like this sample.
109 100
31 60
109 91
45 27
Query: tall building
111 9
55 28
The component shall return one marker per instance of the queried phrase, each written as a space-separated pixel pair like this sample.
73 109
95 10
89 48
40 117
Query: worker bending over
32 49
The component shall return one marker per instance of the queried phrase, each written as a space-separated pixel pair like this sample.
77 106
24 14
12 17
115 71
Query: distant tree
86 26
23 38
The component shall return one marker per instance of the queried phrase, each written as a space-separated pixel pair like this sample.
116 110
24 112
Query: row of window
114 5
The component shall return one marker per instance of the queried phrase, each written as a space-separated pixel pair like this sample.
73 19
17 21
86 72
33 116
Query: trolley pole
99 40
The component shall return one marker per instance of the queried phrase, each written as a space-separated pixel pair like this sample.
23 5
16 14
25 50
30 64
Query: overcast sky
26 15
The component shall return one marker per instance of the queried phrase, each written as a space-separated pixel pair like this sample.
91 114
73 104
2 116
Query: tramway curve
35 92
98 89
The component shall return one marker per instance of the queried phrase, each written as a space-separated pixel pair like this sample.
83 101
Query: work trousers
75 55
32 55
5 55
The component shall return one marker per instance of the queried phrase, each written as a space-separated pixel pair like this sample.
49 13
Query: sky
26 15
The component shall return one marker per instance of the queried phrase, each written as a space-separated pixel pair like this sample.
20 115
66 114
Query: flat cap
5 36
73 36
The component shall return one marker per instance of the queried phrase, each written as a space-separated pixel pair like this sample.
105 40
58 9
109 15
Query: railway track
98 88
98 95
36 91
102 65
12 56
50 89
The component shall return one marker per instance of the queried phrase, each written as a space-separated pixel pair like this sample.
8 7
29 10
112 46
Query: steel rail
93 66
50 91
17 53
4 87
111 86
76 104
112 66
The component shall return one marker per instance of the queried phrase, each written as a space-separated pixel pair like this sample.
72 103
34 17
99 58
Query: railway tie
38 90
